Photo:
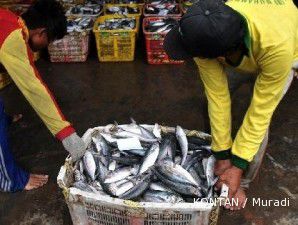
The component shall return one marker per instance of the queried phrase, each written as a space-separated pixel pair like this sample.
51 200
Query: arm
219 105
17 58
268 91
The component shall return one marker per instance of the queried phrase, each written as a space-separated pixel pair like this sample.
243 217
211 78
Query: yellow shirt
273 47
17 58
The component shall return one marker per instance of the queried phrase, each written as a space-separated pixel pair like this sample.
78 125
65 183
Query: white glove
75 146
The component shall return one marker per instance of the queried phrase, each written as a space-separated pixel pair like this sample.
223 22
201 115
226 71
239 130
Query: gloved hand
75 146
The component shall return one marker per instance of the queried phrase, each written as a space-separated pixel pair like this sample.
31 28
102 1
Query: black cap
209 29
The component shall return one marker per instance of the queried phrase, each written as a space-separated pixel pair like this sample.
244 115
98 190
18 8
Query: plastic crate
74 47
154 45
93 16
115 45
137 15
93 209
178 14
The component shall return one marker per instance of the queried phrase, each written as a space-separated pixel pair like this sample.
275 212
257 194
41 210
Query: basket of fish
139 2
164 10
87 10
115 37
161 2
74 47
134 10
142 174
155 30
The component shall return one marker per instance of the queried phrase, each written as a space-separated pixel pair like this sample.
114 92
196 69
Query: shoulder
9 22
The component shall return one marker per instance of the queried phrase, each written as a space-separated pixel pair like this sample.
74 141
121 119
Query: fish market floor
94 93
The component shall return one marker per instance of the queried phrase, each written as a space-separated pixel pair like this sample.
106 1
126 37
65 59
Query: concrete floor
93 93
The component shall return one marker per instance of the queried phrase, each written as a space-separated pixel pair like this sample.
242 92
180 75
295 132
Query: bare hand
221 166
232 178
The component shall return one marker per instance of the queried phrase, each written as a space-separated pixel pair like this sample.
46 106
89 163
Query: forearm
219 105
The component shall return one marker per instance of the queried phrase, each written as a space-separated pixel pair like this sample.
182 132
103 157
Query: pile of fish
161 2
128 1
118 24
122 10
161 25
85 10
162 10
79 24
143 164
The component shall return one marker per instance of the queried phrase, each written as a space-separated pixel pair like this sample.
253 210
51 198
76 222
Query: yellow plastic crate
137 15
115 45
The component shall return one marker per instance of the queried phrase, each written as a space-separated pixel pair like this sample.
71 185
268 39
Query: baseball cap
208 29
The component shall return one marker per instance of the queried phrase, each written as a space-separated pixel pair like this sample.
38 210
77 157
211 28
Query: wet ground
94 93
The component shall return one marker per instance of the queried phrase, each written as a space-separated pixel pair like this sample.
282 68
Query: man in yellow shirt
42 23
237 40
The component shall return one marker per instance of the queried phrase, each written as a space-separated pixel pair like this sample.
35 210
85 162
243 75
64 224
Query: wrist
222 155
239 163
65 132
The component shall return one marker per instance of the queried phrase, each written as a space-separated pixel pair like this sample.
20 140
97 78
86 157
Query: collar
25 30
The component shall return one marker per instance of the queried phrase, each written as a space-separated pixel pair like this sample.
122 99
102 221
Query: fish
169 167
150 158
161 25
119 174
89 164
141 184
167 148
175 172
161 9
159 186
127 23
182 139
162 197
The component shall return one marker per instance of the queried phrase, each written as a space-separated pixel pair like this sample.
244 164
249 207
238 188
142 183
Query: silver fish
182 139
89 164
150 158
162 196
119 174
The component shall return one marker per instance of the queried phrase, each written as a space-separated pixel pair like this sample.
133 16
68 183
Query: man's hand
75 146
221 166
232 178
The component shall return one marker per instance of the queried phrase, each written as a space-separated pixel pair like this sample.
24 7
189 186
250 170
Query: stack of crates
118 45
115 45
73 47
154 40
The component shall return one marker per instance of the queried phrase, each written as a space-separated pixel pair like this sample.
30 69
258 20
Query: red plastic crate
154 45
178 14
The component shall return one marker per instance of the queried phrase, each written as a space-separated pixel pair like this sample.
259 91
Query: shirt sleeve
17 58
268 91
219 105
